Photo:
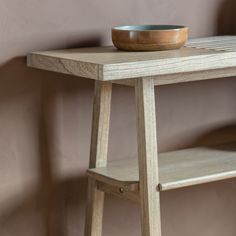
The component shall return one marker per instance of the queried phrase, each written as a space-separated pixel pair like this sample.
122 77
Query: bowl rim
142 28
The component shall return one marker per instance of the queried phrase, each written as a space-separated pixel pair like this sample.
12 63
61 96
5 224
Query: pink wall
45 119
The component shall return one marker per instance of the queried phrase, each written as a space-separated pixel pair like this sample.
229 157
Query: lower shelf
177 169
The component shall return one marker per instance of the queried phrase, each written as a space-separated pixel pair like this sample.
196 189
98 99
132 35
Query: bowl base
150 47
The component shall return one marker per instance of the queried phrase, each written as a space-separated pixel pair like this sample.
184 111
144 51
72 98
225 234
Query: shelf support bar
148 157
98 156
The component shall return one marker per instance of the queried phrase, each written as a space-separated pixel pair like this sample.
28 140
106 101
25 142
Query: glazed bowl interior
149 27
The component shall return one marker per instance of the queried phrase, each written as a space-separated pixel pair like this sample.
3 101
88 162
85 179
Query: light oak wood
94 211
212 39
65 61
122 174
100 124
121 192
98 156
193 61
147 155
195 76
108 64
215 43
177 169
184 77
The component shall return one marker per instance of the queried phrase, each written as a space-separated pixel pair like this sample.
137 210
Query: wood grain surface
98 156
107 63
178 169
148 157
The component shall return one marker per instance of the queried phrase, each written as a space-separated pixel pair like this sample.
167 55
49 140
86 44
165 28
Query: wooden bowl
149 37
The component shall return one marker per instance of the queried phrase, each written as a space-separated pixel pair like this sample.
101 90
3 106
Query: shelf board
177 169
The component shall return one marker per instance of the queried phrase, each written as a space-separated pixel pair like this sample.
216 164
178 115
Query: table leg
98 156
148 157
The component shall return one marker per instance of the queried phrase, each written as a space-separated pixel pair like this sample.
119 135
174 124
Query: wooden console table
143 180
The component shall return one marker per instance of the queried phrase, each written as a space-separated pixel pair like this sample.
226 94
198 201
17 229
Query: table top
107 63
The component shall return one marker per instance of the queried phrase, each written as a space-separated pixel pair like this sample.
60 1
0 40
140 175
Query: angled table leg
98 156
148 157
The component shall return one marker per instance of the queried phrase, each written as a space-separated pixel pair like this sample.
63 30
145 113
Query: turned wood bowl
149 37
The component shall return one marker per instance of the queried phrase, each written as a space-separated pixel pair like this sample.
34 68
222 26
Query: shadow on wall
26 102
220 135
227 18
